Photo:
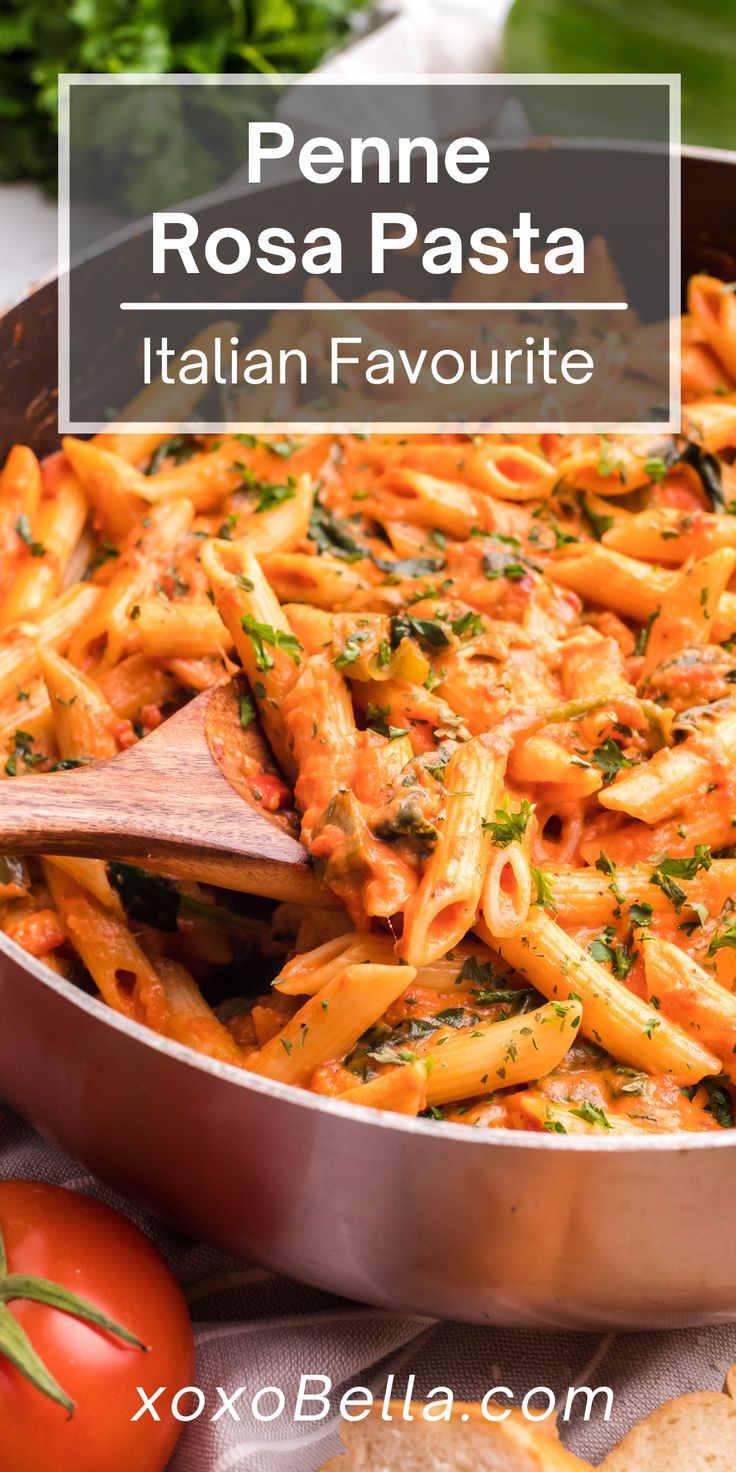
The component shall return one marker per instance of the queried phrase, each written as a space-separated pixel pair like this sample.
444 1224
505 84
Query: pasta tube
612 1015
121 970
445 904
690 997
401 1090
85 725
330 1023
485 1058
20 660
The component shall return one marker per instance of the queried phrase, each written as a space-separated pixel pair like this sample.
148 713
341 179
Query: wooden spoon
174 803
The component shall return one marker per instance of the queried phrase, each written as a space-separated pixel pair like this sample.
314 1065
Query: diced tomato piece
270 791
38 933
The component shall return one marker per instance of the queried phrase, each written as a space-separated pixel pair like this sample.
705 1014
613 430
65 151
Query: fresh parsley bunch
41 38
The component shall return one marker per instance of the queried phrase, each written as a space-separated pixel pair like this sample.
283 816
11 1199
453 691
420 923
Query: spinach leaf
332 536
152 900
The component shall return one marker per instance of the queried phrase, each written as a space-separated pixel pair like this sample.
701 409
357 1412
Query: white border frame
671 80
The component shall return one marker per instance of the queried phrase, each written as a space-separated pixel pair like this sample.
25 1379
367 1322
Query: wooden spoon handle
64 807
95 812
165 804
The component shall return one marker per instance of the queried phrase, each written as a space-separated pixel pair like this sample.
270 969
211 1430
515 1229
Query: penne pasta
691 998
506 1053
125 977
491 682
445 904
400 1090
613 1016
20 645
354 998
85 726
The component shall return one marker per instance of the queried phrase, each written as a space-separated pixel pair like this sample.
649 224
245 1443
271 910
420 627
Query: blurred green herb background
696 38
41 38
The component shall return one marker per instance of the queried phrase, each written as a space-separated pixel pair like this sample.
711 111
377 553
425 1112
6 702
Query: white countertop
27 238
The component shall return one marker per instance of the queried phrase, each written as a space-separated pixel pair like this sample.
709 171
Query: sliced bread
468 1443
694 1433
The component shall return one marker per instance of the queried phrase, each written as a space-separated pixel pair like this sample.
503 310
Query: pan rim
227 1073
422 1129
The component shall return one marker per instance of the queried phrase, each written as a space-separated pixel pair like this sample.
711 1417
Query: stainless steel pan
504 1228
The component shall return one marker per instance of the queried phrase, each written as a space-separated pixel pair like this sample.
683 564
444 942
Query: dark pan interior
29 337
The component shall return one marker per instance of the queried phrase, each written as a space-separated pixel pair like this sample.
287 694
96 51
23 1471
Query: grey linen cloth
253 1329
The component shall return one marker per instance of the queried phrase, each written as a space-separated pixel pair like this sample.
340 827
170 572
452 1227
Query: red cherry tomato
101 1257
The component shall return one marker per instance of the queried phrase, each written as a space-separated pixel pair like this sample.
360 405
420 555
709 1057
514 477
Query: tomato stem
14 1342
16 1347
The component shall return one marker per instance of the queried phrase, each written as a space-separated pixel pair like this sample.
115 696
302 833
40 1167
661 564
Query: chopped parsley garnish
284 448
598 524
562 538
23 528
178 449
640 914
655 468
591 1114
23 743
635 1083
667 871
724 939
701 913
247 711
467 626
545 892
225 530
377 722
610 760
262 634
502 995
553 1126
351 650
675 895
498 564
508 827
607 464
106 552
410 567
642 639
270 495
687 868
480 531
389 1054
607 866
617 956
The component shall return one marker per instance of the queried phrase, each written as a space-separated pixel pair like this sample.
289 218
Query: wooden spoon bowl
178 802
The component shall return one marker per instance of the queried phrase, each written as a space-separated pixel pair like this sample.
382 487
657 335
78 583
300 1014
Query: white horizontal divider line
374 306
